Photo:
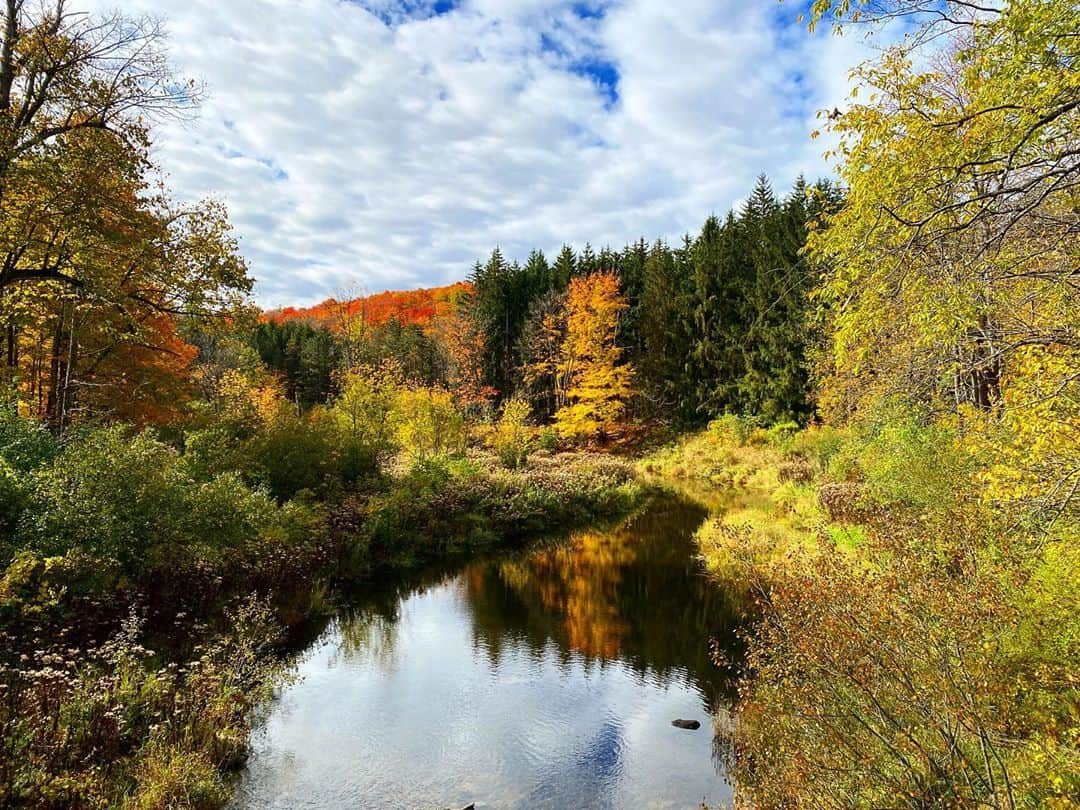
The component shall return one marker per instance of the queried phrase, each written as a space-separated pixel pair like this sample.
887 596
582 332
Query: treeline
720 323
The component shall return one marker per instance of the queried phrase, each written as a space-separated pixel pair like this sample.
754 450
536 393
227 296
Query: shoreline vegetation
891 605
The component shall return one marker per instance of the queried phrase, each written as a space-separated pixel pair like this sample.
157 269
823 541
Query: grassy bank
767 494
913 636
147 590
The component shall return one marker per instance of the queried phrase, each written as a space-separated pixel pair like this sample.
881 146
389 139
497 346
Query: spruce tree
722 271
666 332
564 269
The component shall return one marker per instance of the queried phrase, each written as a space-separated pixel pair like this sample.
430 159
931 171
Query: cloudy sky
374 144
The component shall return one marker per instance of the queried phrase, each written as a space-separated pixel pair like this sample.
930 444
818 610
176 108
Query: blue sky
370 144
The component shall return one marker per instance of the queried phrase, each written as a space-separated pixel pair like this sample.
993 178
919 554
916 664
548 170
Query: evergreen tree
722 272
491 311
587 263
775 384
666 330
632 275
564 269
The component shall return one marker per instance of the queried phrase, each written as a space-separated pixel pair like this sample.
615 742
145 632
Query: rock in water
689 725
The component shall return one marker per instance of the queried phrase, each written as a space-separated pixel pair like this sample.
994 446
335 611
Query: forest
870 382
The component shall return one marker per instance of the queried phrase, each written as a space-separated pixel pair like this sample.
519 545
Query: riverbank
768 494
907 628
146 599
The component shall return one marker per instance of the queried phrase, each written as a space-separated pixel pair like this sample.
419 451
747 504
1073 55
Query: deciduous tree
600 384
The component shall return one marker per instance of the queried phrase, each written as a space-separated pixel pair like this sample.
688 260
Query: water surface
540 680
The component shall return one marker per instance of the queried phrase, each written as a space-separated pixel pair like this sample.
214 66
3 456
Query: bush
132 499
938 679
445 505
25 444
731 429
13 497
817 444
428 424
364 412
512 438
548 439
904 461
302 452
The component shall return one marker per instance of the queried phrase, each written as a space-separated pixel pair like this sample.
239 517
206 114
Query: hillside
407 306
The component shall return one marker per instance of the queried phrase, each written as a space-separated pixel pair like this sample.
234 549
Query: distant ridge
419 307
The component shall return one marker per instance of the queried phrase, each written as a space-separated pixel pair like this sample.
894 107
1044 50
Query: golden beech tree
599 384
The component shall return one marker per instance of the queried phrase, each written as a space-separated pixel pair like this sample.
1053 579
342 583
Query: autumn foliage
421 307
599 384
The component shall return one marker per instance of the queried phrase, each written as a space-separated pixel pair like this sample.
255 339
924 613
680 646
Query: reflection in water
634 593
548 679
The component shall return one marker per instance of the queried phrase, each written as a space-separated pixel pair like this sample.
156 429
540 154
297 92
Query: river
546 679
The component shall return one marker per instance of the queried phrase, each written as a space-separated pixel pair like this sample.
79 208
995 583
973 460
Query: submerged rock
689 725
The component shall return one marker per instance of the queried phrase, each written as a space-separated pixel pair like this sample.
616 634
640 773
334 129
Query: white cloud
386 145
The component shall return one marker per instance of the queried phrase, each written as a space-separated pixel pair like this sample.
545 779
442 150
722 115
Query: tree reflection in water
634 592
546 679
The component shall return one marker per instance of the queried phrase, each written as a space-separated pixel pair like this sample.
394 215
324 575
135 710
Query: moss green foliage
512 438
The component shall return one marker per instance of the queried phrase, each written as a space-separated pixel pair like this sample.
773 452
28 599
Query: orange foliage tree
464 345
599 383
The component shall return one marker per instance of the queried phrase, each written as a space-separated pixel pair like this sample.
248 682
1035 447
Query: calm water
545 680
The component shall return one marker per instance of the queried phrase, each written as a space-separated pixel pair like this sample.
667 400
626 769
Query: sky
364 145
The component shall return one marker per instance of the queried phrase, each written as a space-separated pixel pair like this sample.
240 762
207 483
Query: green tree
666 327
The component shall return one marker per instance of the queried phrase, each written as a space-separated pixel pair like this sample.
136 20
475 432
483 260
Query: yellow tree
599 384
957 243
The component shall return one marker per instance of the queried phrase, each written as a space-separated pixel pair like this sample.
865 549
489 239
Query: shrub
13 497
512 438
797 472
364 412
782 435
548 439
817 444
904 461
428 423
25 444
294 452
908 675
132 499
731 429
